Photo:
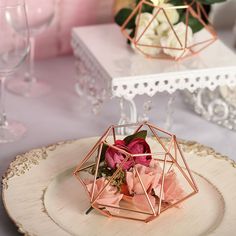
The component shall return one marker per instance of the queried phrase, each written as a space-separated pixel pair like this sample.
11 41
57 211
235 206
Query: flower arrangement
167 28
136 177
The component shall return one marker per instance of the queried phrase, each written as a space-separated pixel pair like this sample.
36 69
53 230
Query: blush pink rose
140 146
114 158
150 177
172 189
110 196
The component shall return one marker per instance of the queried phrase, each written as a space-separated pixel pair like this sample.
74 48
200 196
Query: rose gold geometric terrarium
161 185
186 43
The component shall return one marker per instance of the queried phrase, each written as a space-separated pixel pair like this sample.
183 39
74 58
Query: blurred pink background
69 13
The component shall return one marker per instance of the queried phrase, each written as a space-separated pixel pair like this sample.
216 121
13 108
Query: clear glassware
40 15
14 47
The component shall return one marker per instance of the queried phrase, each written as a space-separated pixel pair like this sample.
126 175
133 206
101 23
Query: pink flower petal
109 196
130 181
141 202
150 177
172 188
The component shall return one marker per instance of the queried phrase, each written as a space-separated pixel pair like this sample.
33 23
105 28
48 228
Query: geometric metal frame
172 158
198 14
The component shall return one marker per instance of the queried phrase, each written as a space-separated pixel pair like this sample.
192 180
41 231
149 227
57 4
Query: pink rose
140 146
150 177
172 189
114 158
110 196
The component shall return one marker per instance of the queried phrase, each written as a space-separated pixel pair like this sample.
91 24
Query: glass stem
31 78
170 112
3 116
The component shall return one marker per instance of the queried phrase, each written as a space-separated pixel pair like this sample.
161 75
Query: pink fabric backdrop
69 13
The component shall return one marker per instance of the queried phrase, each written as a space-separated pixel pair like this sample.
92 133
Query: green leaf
104 170
193 23
145 7
104 149
141 134
208 2
118 180
177 2
121 17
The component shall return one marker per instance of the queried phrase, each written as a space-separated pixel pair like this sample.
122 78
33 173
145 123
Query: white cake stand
107 67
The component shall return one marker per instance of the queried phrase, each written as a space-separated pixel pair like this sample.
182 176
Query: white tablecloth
62 115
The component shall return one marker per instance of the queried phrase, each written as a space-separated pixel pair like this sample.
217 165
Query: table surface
62 115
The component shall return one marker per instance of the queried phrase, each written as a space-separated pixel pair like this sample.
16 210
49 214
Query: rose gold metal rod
86 167
117 149
162 186
181 56
174 7
199 11
175 147
127 35
201 8
192 184
151 46
187 24
186 165
149 201
96 170
92 150
202 22
102 212
148 154
130 16
150 218
126 209
138 21
178 202
128 218
141 125
147 25
159 129
152 154
163 161
158 138
126 125
107 133
171 26
114 134
172 142
207 45
84 185
205 41
113 176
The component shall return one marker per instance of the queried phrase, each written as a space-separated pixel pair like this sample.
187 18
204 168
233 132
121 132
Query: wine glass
40 15
14 47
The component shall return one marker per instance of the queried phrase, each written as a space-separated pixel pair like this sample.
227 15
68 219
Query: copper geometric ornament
172 176
184 48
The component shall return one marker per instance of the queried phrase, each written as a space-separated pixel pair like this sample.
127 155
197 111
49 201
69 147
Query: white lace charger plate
43 198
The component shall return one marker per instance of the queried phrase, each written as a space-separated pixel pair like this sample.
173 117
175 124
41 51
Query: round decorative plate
42 196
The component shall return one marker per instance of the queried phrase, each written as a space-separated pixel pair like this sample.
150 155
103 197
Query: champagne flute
14 47
40 15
